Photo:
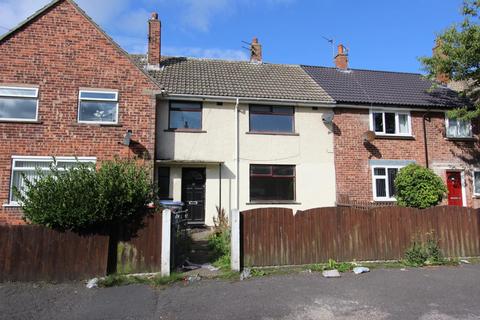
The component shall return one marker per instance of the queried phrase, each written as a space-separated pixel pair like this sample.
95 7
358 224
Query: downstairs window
272 182
383 178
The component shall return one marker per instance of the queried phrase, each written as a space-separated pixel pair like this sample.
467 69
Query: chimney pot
341 59
154 40
255 51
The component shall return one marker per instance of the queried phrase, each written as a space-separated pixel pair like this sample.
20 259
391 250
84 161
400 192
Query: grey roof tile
383 88
193 76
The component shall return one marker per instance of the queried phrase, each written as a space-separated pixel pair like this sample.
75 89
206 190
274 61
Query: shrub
418 187
424 253
219 241
82 199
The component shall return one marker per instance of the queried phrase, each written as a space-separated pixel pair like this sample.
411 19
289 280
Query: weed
115 280
423 253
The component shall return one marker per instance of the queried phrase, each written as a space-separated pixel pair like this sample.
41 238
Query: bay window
390 122
18 103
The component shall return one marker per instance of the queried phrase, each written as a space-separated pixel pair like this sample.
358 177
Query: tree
418 187
457 55
83 199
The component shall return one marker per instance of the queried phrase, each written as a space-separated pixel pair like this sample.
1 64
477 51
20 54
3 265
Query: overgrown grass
124 280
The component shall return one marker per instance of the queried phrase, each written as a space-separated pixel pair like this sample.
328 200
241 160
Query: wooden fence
274 236
33 253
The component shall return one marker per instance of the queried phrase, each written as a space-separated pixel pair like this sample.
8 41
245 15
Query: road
428 293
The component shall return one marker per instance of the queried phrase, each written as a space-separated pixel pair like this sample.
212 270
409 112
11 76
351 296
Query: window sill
11 205
273 202
384 201
185 130
393 137
85 124
273 133
468 139
21 121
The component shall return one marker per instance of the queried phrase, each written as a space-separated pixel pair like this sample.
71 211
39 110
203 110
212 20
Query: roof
383 88
241 79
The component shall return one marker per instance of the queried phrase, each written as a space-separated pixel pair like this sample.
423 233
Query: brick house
68 91
385 120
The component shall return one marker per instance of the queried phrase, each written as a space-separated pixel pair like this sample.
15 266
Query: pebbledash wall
352 155
59 52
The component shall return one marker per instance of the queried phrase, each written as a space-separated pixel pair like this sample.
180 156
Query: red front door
454 184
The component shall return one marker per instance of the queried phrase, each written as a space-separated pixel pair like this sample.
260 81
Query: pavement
428 293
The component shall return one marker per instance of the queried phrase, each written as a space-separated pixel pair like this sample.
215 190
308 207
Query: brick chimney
341 59
255 51
442 78
154 40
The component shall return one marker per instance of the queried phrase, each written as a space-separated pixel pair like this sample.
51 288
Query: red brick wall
60 52
353 173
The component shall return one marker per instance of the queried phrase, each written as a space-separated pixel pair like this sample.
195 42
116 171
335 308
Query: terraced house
218 134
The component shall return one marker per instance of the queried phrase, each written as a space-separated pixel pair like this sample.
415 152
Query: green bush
219 243
82 198
424 253
418 187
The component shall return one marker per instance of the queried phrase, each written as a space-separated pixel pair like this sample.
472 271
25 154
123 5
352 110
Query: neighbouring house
386 120
240 134
67 91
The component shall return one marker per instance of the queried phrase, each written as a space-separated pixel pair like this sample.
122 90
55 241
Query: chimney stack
341 59
154 40
255 51
441 77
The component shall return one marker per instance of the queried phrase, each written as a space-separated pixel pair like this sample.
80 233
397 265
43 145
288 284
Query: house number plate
192 203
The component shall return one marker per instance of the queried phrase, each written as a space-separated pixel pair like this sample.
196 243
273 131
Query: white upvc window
18 103
476 182
383 182
456 128
25 167
97 106
394 123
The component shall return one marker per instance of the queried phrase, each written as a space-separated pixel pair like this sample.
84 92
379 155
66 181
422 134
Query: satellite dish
327 117
369 136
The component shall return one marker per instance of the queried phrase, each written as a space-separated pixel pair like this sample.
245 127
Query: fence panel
275 236
32 253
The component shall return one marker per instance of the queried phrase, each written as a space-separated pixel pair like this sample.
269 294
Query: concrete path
432 293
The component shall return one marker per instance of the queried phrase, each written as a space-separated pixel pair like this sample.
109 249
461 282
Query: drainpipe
425 142
237 150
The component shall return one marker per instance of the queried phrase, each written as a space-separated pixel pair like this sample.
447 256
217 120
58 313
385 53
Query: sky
380 34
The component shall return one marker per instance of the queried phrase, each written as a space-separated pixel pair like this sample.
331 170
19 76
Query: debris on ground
465 261
191 279
246 273
331 273
92 283
403 269
359 270
189 266
307 271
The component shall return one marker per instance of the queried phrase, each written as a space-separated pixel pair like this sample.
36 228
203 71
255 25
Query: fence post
235 240
166 232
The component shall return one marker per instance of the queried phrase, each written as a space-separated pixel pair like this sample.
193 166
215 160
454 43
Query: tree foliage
83 199
458 56
418 187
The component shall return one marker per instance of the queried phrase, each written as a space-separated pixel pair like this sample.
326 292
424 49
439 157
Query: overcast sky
380 34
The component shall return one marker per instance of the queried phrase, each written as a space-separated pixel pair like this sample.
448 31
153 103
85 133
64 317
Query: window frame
397 122
54 160
387 185
475 194
447 124
270 113
108 91
271 175
192 110
21 97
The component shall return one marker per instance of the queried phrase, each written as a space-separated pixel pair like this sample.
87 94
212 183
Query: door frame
462 181
204 169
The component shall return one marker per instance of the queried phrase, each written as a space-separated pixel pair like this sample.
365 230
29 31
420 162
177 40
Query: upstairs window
272 182
185 115
457 128
390 123
476 183
271 119
384 183
98 107
18 104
